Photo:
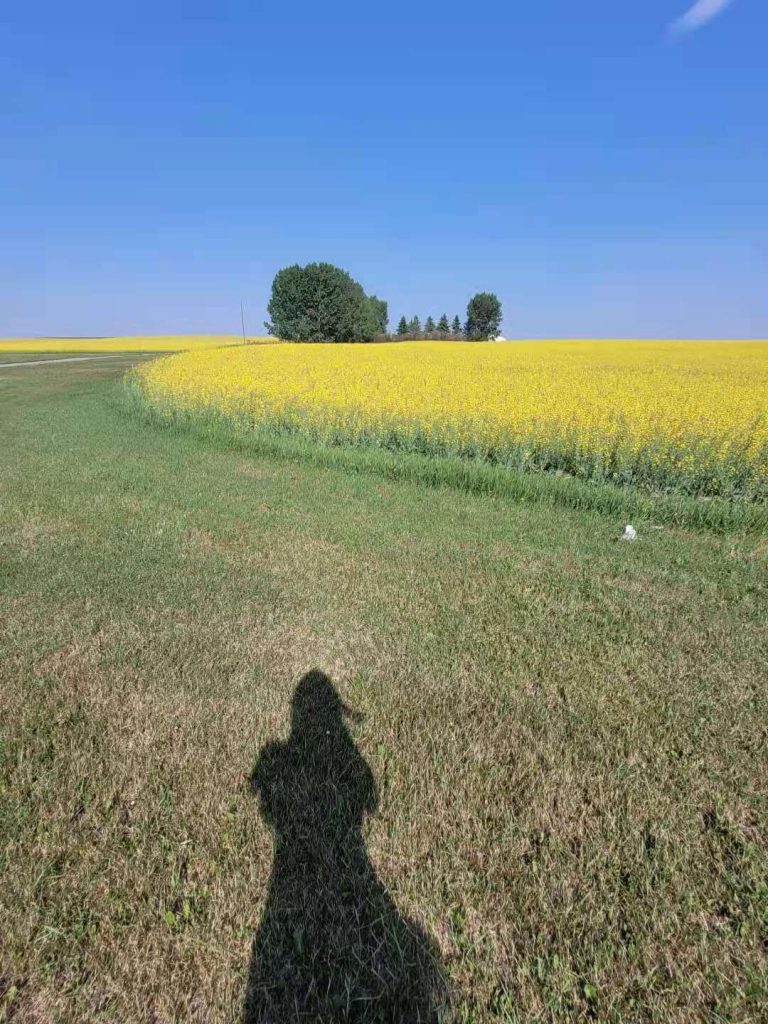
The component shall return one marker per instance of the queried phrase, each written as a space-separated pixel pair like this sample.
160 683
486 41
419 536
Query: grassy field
546 800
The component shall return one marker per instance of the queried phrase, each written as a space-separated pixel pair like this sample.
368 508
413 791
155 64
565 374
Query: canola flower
690 416
127 343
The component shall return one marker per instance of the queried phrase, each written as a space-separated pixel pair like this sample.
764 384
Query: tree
402 328
414 328
380 313
321 302
443 329
483 317
456 331
429 328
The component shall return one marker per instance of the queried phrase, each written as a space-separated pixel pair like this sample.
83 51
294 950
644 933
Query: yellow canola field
126 343
682 414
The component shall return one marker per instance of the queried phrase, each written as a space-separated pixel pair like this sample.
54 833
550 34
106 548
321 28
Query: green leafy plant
321 302
483 317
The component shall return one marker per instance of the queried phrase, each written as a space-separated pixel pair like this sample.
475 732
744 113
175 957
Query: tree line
440 331
483 322
321 302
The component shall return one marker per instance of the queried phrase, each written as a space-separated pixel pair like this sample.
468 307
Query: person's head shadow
331 945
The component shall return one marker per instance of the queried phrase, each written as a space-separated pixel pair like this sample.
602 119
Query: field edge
451 471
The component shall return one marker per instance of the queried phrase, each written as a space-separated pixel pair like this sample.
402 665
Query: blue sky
603 171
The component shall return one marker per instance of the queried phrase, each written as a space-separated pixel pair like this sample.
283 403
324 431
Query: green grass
566 734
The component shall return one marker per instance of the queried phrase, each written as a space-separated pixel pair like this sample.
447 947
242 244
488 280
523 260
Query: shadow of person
331 945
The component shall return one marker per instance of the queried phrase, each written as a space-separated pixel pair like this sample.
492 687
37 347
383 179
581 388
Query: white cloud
702 12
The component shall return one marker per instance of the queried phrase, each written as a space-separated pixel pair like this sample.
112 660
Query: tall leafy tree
456 331
320 302
443 328
483 317
380 313
402 328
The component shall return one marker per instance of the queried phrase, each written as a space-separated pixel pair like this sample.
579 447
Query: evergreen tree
402 328
414 329
429 328
456 331
443 328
